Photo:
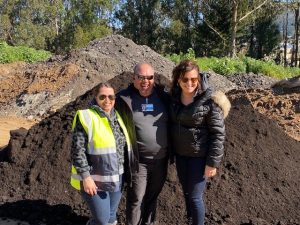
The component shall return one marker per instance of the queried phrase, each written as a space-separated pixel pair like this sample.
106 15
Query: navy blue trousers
190 172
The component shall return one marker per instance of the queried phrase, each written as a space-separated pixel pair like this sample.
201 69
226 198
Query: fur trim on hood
222 101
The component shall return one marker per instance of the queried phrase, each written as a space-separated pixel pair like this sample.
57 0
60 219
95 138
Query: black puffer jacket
198 129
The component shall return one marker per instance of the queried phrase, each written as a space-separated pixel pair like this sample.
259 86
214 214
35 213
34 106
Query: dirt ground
35 173
9 123
6 221
283 108
257 183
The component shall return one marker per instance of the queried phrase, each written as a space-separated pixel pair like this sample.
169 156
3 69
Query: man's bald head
143 78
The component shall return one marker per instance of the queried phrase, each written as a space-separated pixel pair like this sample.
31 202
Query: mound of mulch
252 81
258 182
45 87
283 108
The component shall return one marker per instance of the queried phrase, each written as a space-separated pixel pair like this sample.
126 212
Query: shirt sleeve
216 128
78 150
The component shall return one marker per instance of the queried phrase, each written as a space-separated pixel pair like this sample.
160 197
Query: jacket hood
222 101
204 80
218 96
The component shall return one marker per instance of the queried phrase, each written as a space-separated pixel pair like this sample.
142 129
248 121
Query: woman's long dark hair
101 85
180 70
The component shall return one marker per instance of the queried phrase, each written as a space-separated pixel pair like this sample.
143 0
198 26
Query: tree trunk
296 33
285 40
252 46
234 28
293 52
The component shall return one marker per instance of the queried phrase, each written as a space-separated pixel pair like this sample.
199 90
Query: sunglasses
142 78
193 80
110 97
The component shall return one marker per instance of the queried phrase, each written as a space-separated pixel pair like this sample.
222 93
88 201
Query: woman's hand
210 171
89 186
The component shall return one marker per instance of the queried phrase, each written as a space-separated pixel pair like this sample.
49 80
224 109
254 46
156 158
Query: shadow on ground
39 212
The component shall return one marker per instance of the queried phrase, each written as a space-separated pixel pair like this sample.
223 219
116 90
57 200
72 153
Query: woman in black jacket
198 133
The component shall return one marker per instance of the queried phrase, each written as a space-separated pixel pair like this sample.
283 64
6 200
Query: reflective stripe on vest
99 178
100 141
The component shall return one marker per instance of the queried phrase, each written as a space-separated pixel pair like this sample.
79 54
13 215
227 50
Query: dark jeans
191 177
103 206
142 195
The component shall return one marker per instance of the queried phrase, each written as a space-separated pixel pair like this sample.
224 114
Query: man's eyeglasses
110 97
142 78
193 80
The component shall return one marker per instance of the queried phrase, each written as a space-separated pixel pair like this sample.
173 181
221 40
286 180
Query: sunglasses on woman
193 80
110 97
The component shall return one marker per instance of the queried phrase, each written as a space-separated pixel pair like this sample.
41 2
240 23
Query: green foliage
31 23
167 26
141 22
270 68
181 56
228 66
264 37
10 54
53 25
191 54
83 36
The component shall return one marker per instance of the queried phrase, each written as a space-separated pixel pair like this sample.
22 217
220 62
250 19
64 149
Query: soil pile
257 183
252 81
11 123
40 89
283 108
278 100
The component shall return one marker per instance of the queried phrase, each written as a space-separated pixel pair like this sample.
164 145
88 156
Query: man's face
144 80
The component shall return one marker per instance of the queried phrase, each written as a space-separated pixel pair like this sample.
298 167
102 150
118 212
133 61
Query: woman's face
106 98
189 82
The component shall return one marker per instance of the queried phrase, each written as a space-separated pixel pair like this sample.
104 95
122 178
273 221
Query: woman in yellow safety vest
101 152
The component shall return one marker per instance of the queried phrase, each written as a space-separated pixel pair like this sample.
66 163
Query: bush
10 54
228 66
177 58
270 68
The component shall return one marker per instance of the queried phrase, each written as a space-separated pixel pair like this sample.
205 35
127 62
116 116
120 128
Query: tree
294 7
266 37
31 22
263 33
53 24
215 28
84 20
140 21
239 15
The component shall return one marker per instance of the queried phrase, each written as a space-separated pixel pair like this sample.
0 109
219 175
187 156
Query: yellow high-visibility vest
101 142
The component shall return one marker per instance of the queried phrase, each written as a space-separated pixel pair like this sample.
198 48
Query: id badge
147 107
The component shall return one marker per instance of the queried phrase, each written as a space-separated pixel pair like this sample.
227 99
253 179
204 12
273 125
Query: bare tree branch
211 27
252 11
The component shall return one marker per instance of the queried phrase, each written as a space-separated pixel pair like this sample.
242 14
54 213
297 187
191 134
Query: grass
9 54
229 66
